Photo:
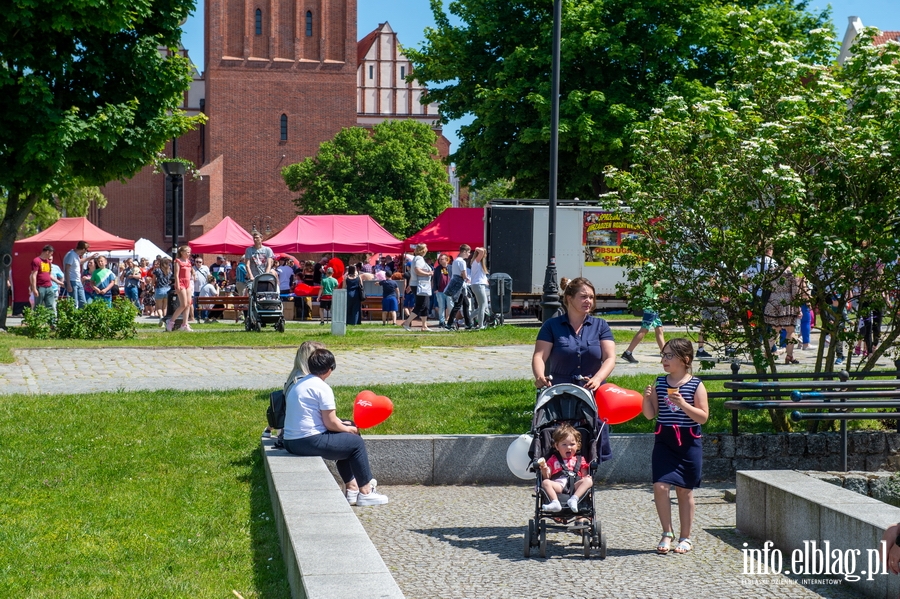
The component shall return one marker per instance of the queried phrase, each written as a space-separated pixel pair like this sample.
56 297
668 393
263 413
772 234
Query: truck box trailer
588 244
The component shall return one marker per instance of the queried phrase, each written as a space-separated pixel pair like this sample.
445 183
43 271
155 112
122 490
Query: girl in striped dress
678 401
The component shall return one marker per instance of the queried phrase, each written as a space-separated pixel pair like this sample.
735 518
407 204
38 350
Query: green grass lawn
229 335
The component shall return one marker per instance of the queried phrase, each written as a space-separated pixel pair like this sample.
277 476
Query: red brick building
281 77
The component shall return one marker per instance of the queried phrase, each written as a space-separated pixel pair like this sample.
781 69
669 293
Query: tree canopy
86 97
620 59
390 173
796 156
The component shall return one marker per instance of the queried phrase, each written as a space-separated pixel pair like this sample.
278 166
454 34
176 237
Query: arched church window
258 22
308 23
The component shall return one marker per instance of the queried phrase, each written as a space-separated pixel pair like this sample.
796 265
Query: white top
209 290
417 262
200 273
459 268
478 276
303 407
285 273
72 264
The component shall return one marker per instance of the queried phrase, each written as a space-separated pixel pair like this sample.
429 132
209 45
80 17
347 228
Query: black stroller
565 403
265 304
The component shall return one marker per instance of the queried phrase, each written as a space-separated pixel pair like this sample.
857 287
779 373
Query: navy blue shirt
572 354
388 288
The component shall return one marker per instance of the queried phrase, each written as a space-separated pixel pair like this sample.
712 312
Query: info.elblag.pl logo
816 559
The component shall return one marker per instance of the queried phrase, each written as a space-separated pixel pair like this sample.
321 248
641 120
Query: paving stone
466 542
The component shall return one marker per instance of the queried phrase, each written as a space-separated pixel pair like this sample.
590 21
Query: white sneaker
372 498
573 504
553 506
352 496
266 434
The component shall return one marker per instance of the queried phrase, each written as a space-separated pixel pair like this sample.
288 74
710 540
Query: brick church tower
280 79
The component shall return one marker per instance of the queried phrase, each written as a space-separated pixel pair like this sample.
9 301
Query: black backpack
276 410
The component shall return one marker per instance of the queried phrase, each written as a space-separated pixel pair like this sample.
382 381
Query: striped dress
678 451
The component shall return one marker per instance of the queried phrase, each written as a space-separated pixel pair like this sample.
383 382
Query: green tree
48 210
390 173
86 97
480 195
620 58
797 155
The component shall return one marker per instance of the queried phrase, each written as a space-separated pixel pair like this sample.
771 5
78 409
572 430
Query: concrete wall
795 511
468 459
481 459
327 552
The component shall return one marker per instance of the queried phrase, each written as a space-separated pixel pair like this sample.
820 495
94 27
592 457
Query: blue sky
409 18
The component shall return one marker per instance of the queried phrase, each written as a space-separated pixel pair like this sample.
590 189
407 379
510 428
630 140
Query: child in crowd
325 291
390 298
210 289
679 403
566 471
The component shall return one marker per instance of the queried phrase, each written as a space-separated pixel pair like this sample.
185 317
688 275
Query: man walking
40 280
73 265
259 259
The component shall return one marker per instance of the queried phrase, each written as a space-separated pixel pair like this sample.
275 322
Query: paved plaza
466 543
57 371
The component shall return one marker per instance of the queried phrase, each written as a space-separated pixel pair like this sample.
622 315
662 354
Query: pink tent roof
63 235
66 232
344 233
452 227
227 237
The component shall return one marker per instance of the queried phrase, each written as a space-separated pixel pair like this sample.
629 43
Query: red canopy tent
227 237
63 235
452 228
344 233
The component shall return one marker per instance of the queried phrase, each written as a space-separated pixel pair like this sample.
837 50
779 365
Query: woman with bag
420 283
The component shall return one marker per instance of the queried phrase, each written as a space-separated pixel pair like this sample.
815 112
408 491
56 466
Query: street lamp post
175 170
550 299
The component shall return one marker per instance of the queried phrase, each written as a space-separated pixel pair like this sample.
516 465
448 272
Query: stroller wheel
586 542
602 546
247 326
279 326
543 541
529 534
595 532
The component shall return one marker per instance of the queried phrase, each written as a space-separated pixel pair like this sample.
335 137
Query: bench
326 550
798 517
838 398
238 303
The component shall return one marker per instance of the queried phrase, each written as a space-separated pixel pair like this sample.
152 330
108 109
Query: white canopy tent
143 248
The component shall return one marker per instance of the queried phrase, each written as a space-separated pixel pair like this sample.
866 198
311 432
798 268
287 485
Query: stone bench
326 550
793 511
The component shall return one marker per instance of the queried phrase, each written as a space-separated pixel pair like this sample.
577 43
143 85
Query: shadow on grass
269 574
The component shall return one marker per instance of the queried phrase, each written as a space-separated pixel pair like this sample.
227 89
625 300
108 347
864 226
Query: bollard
339 312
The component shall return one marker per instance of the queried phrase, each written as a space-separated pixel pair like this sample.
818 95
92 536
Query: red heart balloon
371 410
617 405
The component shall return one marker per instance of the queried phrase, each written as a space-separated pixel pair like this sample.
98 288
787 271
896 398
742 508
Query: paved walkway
57 371
466 543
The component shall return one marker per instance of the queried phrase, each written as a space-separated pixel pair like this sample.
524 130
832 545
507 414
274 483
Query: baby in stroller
565 454
566 471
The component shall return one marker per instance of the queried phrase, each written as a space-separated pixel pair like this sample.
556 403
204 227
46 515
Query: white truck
588 244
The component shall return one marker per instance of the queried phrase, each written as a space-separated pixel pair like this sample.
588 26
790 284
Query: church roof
363 46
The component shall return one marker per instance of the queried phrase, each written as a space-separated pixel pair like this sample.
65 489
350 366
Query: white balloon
517 456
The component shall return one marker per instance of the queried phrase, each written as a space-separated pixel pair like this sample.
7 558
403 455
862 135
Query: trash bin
500 285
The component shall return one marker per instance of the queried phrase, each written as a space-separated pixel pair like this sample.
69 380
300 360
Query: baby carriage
265 304
575 405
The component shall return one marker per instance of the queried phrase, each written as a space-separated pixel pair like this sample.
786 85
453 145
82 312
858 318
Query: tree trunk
17 211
